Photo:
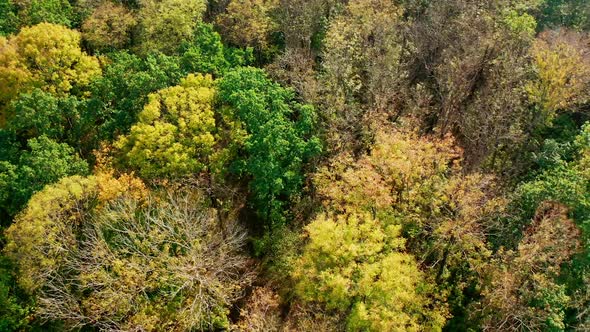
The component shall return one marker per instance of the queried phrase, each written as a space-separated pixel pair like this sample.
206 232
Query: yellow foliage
166 23
563 70
175 133
401 170
357 262
36 239
14 74
47 56
416 183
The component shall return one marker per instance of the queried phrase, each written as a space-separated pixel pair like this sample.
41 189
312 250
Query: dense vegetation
295 165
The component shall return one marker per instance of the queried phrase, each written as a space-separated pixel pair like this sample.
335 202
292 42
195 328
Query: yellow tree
46 56
175 132
416 182
356 262
562 63
164 24
101 252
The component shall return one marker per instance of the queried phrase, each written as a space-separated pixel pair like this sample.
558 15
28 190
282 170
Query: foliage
175 132
120 94
452 192
62 119
362 66
8 18
33 12
562 66
109 26
279 138
471 61
303 22
247 22
46 162
565 13
170 248
522 292
13 312
47 56
207 54
567 184
261 313
357 263
164 24
417 183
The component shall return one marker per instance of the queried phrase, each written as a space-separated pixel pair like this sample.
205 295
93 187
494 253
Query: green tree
120 94
45 163
175 133
8 18
566 183
565 13
13 310
33 12
280 138
207 54
62 119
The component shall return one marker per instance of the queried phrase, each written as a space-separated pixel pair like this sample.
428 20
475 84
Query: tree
522 293
363 72
164 24
566 185
280 138
47 56
247 22
470 59
45 163
120 94
62 119
207 54
416 182
8 18
33 12
562 63
564 13
13 309
175 133
129 260
109 26
304 22
356 264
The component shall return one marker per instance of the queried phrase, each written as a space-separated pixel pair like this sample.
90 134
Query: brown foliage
109 25
261 313
522 293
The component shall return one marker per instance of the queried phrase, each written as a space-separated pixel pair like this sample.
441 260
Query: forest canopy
294 165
